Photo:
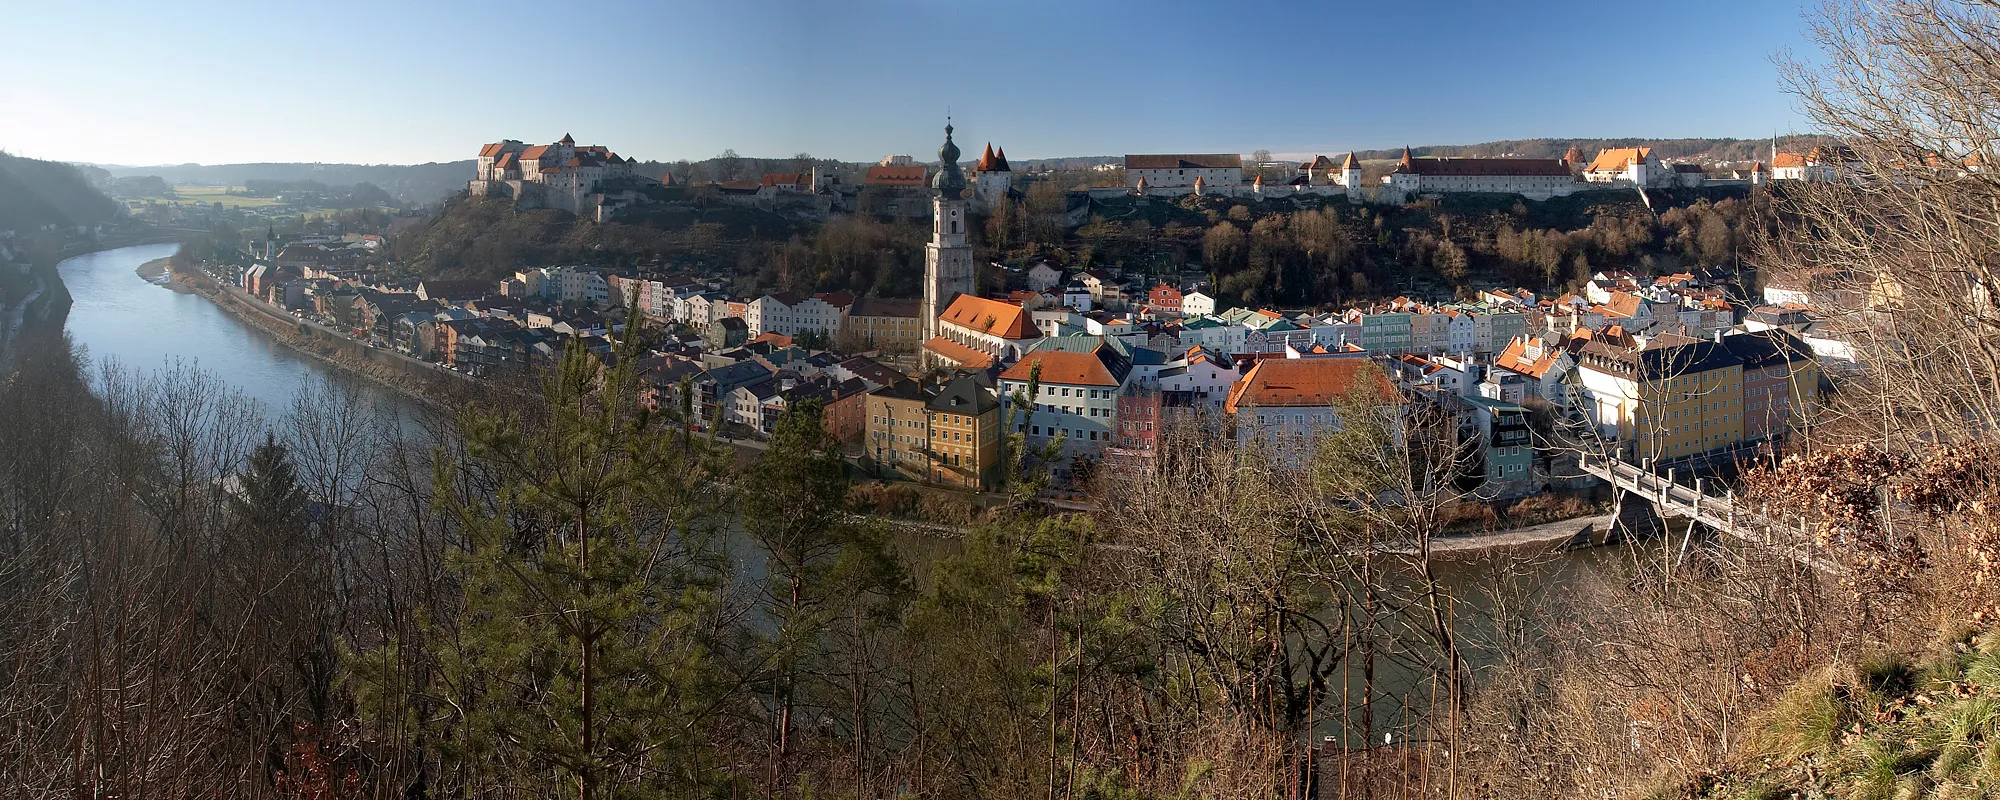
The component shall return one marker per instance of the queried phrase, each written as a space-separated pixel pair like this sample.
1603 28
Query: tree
1261 161
821 564
271 495
729 165
581 652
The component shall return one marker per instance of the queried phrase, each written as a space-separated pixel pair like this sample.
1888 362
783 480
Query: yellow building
1676 398
898 430
949 437
889 323
965 435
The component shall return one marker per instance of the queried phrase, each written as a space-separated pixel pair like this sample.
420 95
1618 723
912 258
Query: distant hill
34 194
409 183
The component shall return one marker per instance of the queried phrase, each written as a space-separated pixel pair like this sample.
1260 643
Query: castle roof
1185 161
1617 158
1351 162
1483 167
989 162
566 140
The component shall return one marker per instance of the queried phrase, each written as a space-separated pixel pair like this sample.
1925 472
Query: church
962 329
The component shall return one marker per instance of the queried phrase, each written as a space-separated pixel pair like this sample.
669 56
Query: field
217 194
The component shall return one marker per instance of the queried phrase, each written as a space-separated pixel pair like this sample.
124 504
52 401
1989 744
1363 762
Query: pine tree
580 659
271 495
822 564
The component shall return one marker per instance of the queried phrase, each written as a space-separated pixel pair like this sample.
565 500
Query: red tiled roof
1615 159
1304 383
1783 160
778 339
1063 366
959 354
896 176
535 152
492 150
1005 320
781 179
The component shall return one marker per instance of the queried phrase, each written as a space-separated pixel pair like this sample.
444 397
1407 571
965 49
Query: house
1675 398
1164 300
1214 170
1077 398
913 176
1204 375
1288 402
890 323
965 427
1542 362
453 292
1506 451
1197 304
1780 380
898 430
1633 165
1042 277
726 333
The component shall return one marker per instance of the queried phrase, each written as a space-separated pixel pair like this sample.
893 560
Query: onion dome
950 180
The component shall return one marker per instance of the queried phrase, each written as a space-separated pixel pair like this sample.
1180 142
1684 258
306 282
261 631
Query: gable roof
965 394
886 307
781 179
896 176
1185 161
1305 383
966 357
1099 368
1615 158
1484 167
1784 160
1005 320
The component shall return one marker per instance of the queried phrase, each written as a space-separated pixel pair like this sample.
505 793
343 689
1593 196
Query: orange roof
1783 160
958 354
1515 358
535 152
896 176
1063 366
1624 305
1615 159
778 339
781 178
1005 320
1304 383
492 150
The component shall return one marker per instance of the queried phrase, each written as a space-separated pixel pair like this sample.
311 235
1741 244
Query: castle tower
1350 172
948 269
995 178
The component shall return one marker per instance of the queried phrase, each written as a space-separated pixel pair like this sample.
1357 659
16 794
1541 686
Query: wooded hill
35 194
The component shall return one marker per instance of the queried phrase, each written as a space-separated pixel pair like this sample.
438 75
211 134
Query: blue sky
369 81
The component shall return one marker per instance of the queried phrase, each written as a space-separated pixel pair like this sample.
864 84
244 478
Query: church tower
948 269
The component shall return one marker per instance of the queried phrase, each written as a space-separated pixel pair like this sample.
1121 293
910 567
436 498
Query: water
118 315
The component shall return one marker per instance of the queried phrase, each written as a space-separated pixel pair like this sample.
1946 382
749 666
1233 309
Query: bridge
1662 496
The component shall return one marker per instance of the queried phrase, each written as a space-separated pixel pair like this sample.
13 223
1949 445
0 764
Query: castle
590 182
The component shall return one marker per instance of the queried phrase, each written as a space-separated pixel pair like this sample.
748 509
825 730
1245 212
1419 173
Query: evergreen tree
582 656
271 495
822 565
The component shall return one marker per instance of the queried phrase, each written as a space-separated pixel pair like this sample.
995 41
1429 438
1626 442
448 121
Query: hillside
35 194
488 238
408 183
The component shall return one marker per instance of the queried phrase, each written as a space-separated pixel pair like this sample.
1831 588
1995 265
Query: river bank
420 382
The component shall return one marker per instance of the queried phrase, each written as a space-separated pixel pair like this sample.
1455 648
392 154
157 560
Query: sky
140 82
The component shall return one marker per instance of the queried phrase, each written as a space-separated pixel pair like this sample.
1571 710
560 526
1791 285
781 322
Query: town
1122 364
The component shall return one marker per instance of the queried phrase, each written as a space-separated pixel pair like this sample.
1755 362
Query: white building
1214 170
1042 277
1534 178
1197 304
1077 401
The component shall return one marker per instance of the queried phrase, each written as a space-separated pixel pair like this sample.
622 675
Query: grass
207 195
1889 727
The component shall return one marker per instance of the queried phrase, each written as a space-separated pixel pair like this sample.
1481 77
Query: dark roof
885 307
966 394
873 371
1185 161
1485 167
1760 349
1665 357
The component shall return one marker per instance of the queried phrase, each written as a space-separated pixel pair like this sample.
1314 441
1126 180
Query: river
143 325
120 316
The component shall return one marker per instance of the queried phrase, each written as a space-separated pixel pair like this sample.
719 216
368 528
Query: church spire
950 180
